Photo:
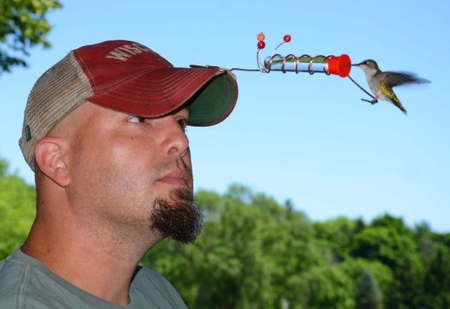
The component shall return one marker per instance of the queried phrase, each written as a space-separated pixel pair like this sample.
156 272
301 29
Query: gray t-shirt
27 283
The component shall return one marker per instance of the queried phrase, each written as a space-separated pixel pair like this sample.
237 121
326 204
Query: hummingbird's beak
355 64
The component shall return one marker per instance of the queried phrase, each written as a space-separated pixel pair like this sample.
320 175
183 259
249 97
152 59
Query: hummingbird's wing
392 79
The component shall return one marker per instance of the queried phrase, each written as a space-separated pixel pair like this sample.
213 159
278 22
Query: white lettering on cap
127 51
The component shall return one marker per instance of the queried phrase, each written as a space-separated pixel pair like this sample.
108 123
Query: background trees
23 25
17 209
257 253
368 294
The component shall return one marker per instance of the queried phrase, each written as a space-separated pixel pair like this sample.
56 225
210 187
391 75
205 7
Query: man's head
127 77
106 126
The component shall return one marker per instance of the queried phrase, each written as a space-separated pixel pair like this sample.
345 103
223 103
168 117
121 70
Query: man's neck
93 260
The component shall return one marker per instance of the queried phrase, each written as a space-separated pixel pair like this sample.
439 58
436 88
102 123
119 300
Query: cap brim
212 93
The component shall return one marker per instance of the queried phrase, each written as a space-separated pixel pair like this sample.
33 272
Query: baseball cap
128 77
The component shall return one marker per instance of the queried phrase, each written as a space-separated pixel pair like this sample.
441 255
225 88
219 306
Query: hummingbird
381 83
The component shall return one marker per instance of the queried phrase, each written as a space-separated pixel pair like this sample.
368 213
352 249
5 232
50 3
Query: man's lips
177 177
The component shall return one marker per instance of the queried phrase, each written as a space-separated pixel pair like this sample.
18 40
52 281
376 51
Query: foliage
23 25
437 279
389 241
249 255
337 235
17 200
255 253
325 287
368 294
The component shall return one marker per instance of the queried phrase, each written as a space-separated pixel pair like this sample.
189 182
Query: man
104 133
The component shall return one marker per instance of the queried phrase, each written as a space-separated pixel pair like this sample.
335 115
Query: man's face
133 172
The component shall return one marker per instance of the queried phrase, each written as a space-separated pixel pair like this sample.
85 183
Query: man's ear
50 159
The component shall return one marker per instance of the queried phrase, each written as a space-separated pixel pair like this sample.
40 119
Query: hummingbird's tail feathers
392 97
394 79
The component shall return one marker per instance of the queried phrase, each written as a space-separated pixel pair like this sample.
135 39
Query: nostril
177 144
172 151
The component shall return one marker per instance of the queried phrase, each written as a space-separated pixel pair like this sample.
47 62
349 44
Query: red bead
287 38
261 37
261 44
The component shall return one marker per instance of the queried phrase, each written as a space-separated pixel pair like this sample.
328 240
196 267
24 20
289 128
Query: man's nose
174 140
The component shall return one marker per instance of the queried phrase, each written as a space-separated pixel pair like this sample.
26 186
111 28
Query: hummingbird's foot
374 101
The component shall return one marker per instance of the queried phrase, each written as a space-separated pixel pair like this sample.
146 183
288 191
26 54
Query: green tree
389 241
368 294
326 287
337 235
23 25
437 279
393 223
355 269
251 254
17 210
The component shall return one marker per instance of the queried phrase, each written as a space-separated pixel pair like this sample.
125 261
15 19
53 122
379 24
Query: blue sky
308 138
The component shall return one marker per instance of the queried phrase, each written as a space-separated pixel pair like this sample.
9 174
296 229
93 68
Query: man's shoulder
12 276
11 272
8 286
145 278
21 286
148 284
25 283
146 274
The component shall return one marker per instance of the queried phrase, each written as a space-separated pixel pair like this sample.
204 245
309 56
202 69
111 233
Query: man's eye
183 123
137 119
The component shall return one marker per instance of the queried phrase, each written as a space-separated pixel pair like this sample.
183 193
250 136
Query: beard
177 218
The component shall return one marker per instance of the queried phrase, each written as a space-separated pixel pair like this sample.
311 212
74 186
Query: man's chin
177 217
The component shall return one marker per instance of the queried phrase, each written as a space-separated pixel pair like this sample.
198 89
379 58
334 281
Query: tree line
257 253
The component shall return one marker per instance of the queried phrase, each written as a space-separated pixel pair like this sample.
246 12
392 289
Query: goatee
178 218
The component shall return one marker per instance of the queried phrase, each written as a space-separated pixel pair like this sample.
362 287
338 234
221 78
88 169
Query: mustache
176 168
185 168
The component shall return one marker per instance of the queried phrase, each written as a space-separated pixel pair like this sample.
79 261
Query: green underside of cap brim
214 102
